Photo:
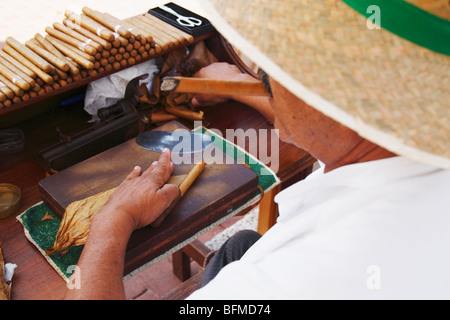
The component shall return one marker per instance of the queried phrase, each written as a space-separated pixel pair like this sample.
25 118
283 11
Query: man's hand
226 71
218 71
143 196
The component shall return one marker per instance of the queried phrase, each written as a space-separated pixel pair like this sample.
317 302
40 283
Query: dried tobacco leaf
74 227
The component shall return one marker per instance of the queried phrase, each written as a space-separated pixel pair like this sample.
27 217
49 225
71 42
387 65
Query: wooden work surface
34 278
220 189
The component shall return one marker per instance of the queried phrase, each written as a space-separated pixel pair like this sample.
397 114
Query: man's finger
135 173
160 171
169 192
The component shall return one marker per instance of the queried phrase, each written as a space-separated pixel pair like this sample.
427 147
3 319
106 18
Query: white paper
9 271
106 91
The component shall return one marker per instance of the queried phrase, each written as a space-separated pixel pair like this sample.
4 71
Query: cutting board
220 189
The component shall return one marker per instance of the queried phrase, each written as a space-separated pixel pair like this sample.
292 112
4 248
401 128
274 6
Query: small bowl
10 200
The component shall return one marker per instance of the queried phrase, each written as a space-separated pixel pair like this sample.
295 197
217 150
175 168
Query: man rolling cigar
371 103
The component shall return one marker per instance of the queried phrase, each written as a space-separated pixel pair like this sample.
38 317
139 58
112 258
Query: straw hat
392 91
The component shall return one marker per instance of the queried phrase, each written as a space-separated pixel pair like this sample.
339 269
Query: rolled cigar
90 24
6 91
17 71
138 26
61 74
17 91
209 86
88 34
85 55
70 53
123 41
7 103
166 31
106 21
30 55
2 97
183 112
70 40
17 64
41 74
25 97
162 117
156 38
187 182
77 36
125 24
50 48
59 63
36 88
167 26
156 32
16 100
191 177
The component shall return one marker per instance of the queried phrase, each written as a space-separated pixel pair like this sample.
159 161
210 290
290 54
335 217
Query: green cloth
42 233
408 22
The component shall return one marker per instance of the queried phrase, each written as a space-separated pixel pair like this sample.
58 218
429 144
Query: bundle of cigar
81 46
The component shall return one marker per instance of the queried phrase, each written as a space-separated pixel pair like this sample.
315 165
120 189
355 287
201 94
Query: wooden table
34 277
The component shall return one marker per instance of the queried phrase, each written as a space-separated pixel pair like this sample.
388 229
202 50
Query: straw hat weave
388 89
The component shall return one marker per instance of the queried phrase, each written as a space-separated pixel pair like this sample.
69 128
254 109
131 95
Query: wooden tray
219 190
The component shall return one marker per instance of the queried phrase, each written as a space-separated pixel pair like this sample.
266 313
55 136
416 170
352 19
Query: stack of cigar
81 46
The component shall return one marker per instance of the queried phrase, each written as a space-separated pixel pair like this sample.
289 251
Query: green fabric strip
408 22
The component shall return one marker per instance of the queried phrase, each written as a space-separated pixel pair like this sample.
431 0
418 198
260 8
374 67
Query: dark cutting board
220 189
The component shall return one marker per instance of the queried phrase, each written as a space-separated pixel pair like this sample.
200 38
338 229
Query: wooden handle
210 86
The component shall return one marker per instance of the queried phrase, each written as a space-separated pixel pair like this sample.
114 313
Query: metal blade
181 141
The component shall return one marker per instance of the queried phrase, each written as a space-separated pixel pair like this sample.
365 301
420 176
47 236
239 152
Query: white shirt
374 230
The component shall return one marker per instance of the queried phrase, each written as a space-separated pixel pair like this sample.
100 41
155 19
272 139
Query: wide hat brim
387 89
